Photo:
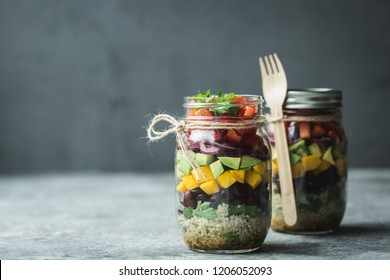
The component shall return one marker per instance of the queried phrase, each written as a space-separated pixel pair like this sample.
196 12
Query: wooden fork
275 91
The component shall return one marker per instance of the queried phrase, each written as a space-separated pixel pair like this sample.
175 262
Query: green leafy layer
250 210
202 210
225 102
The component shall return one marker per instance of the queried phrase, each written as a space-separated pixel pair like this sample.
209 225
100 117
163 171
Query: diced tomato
318 131
203 113
232 136
249 111
191 112
240 99
304 130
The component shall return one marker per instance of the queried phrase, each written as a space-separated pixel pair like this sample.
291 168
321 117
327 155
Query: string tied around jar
176 127
179 127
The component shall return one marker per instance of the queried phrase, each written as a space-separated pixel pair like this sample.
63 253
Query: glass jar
318 156
223 202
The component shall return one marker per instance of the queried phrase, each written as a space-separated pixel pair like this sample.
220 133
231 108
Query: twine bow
178 128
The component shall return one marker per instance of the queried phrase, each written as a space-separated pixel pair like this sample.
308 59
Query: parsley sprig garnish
224 102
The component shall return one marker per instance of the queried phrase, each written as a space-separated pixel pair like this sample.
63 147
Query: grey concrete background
77 78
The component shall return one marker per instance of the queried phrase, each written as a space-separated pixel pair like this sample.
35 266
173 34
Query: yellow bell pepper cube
208 174
239 175
310 162
252 178
190 182
181 187
260 168
210 187
226 179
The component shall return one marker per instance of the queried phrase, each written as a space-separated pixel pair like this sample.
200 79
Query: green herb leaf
187 212
203 210
224 101
250 210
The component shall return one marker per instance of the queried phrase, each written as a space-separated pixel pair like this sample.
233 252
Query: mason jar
223 174
318 156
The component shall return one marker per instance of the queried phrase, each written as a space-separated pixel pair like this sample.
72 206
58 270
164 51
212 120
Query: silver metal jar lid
313 98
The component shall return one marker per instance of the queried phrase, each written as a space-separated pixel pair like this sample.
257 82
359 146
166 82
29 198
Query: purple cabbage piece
208 149
292 133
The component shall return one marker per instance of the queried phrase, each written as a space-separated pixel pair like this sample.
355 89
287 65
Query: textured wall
77 78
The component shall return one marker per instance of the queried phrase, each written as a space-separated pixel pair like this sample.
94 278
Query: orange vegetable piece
318 131
191 112
202 113
232 136
304 130
240 99
249 111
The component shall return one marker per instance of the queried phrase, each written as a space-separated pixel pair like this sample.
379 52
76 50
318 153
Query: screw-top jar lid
313 98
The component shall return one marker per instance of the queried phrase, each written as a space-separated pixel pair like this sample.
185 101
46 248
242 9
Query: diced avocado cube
328 156
182 162
315 149
294 158
217 168
203 159
179 173
297 145
184 167
337 154
180 155
247 161
302 152
232 162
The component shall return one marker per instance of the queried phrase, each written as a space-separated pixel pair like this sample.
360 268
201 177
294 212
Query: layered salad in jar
224 205
318 160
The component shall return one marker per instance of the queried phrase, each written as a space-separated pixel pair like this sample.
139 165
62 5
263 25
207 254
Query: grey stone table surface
132 216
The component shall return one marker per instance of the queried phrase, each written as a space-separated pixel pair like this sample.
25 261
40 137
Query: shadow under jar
318 155
228 208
